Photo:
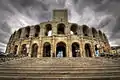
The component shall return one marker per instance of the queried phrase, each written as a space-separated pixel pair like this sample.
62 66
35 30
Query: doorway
61 49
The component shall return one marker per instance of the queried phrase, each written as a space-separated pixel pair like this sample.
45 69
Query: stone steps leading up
60 69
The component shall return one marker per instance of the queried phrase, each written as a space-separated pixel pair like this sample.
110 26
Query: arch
94 32
61 28
46 49
48 30
15 49
19 33
37 30
75 49
61 49
27 32
104 36
74 29
34 50
24 50
85 30
88 50
100 34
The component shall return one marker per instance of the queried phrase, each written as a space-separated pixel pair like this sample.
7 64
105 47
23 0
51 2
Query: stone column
41 45
69 46
53 54
67 54
23 33
93 49
82 51
18 49
39 49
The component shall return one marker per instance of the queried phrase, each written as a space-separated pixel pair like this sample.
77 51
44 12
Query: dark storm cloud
105 16
102 14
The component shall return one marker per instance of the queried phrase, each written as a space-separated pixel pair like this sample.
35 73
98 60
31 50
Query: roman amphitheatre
58 50
50 38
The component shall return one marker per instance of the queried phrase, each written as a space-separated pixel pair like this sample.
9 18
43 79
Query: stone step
57 62
60 74
59 69
60 78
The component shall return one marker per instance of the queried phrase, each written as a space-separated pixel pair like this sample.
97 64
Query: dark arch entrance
85 30
15 49
94 32
61 49
48 29
74 28
24 50
88 50
61 28
37 30
47 49
27 32
34 50
75 50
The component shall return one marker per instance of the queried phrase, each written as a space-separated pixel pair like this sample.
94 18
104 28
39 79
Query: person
60 54
96 51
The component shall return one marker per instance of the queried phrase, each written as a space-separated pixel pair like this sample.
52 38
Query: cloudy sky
101 14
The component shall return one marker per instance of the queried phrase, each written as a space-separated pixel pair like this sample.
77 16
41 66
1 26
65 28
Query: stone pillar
53 54
80 30
23 33
90 32
82 51
32 31
18 49
69 46
93 49
39 49
42 30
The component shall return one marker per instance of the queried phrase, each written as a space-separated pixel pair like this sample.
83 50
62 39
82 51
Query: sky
101 14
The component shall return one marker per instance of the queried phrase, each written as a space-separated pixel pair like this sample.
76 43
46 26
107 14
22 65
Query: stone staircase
60 69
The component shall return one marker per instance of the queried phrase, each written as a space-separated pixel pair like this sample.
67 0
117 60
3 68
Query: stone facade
48 39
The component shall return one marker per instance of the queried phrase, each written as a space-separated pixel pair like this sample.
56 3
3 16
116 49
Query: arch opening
61 49
94 32
85 30
61 29
27 32
73 29
105 37
100 34
37 30
34 50
75 49
24 50
47 49
15 49
88 50
48 31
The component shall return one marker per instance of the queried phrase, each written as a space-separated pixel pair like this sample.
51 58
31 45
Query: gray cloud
102 14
